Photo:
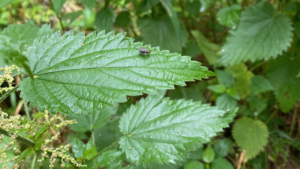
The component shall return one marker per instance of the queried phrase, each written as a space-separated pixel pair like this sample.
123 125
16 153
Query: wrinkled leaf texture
77 75
160 130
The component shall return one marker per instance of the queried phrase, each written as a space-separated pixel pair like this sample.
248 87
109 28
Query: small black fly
144 51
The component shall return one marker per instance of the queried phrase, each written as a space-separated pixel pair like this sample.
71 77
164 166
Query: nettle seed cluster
7 77
14 124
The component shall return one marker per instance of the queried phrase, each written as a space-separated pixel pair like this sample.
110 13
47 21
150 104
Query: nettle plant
85 77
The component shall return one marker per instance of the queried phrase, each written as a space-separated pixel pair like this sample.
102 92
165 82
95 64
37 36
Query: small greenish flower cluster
7 125
14 124
8 77
61 150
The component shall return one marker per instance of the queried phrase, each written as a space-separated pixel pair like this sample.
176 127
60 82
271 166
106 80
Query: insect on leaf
77 75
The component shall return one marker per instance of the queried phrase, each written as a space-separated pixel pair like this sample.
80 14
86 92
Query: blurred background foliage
252 46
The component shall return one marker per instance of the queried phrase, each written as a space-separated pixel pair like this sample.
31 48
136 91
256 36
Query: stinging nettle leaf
262 33
77 75
160 130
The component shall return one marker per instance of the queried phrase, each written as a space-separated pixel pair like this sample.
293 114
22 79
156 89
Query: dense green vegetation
218 89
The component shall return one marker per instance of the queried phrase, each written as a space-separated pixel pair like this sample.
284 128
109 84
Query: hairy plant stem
107 148
19 138
8 93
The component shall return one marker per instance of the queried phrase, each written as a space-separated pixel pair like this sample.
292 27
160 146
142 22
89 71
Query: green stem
8 93
294 120
27 112
93 137
256 66
275 112
19 138
107 148
33 161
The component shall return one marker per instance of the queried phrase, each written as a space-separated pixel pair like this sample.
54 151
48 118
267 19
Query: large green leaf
282 73
251 135
93 121
209 49
229 16
77 74
262 33
160 130
160 32
105 19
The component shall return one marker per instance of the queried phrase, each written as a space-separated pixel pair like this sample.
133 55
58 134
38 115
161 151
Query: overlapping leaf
77 74
261 34
160 130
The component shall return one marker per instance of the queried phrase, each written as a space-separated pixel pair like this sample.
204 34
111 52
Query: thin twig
20 104
241 159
